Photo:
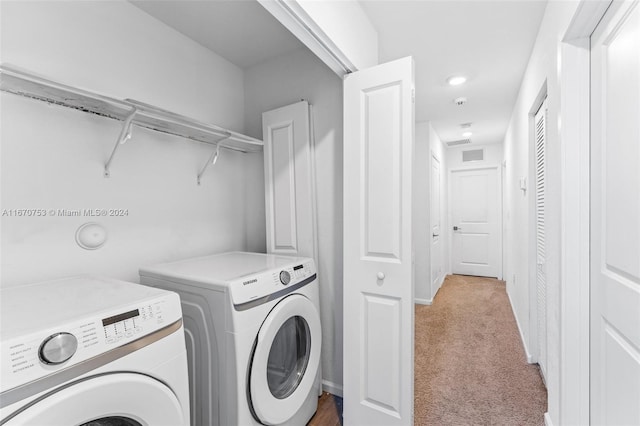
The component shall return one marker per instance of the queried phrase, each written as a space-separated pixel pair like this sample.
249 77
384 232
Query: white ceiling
241 31
488 41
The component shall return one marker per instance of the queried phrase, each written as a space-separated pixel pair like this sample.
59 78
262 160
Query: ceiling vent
473 155
458 142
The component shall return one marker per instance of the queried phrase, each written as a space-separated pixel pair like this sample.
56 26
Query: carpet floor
470 366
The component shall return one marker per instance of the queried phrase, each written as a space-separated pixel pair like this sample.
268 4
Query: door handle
381 275
456 228
435 235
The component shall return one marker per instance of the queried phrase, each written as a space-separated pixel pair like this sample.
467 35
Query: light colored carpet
470 366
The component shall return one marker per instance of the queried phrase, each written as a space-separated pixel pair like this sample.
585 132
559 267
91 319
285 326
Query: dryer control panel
261 285
37 354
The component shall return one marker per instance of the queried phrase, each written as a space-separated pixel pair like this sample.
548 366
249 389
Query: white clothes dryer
92 351
253 336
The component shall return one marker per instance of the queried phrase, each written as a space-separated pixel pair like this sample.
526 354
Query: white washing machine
253 334
92 351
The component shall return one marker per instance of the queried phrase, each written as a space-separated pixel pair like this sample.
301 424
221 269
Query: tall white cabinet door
378 272
475 218
289 181
615 217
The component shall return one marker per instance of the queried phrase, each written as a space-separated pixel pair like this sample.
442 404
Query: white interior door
378 272
615 217
436 245
475 214
540 122
289 181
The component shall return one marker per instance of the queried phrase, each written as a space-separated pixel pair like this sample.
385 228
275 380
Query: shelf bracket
125 135
213 159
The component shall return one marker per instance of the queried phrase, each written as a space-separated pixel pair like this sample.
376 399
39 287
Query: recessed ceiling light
467 134
456 80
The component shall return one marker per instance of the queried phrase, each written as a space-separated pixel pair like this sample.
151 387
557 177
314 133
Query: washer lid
134 399
220 269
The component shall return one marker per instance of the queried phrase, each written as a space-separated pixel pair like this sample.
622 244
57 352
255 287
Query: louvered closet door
541 274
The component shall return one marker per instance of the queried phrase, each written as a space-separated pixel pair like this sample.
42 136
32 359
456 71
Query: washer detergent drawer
134 399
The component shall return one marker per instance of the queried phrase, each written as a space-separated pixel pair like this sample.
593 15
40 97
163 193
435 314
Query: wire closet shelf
129 111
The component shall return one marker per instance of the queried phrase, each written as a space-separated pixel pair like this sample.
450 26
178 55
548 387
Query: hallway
470 367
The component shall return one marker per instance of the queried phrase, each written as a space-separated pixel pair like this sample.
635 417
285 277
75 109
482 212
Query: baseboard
332 388
420 301
530 358
547 420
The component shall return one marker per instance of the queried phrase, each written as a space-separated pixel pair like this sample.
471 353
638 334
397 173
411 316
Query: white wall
427 144
53 157
282 81
542 71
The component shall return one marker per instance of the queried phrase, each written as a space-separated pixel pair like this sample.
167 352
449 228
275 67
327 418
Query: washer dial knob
58 348
285 277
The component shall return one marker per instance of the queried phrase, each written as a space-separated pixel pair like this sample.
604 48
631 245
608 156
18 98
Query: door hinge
413 96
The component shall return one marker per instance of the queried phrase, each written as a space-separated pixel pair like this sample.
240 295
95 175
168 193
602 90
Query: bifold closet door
289 181
378 247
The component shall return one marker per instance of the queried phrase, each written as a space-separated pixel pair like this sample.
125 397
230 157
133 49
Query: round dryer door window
285 360
289 357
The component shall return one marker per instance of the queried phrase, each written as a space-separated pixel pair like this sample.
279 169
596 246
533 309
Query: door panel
615 219
475 207
381 186
378 272
381 330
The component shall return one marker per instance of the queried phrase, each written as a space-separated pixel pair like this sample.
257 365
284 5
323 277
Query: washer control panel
256 286
38 354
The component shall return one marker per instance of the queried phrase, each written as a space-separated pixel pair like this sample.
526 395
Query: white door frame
575 213
443 225
451 171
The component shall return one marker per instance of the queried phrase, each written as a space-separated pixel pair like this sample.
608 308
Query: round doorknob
381 275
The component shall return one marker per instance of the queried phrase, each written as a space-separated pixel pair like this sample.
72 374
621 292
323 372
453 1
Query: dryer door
123 399
285 360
